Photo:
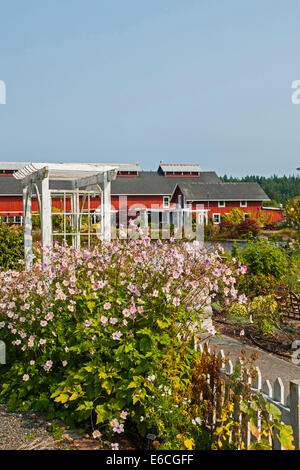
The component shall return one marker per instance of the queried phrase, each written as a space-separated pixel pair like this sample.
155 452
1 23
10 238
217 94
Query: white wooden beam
106 208
46 221
27 226
35 177
95 179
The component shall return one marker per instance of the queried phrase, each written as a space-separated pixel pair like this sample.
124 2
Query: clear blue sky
200 81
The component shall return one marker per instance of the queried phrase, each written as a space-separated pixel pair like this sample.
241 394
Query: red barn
161 190
220 198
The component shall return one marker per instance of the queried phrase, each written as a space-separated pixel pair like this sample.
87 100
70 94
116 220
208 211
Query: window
166 202
243 203
179 201
246 216
221 204
216 218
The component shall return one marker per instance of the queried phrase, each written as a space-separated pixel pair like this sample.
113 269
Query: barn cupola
178 169
128 169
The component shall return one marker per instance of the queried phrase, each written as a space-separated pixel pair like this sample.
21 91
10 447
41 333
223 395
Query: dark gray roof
150 182
207 187
10 186
147 183
222 192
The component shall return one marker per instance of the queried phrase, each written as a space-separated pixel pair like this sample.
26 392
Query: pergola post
46 221
106 207
77 219
144 215
27 225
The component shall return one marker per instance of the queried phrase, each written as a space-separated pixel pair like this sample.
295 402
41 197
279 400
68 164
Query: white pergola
83 181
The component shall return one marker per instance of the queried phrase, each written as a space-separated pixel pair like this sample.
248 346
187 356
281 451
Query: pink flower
107 306
115 446
25 377
176 301
117 335
119 428
242 299
48 365
114 422
96 434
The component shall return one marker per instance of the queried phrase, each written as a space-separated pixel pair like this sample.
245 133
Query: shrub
271 226
263 257
226 225
235 216
11 246
258 284
264 311
238 310
248 227
261 217
292 213
84 336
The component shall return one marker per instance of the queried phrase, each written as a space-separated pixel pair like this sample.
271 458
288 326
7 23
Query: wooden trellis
289 302
83 180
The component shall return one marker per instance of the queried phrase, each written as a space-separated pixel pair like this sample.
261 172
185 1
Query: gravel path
27 430
24 431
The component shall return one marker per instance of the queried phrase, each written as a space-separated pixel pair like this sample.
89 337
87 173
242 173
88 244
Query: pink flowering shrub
84 335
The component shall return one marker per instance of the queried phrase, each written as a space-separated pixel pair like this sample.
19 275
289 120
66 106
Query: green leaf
62 398
101 413
286 438
274 411
163 324
87 405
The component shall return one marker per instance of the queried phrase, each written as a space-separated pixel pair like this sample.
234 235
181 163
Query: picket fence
274 393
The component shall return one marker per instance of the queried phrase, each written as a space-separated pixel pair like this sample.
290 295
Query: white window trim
221 204
166 206
243 205
213 217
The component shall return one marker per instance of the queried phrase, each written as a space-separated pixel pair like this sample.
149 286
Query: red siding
13 205
277 214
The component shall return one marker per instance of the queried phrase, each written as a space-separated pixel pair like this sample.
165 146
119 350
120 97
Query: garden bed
278 342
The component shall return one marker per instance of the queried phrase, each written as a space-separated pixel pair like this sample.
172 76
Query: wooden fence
273 392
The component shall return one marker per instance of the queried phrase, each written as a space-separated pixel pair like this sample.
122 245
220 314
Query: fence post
295 411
